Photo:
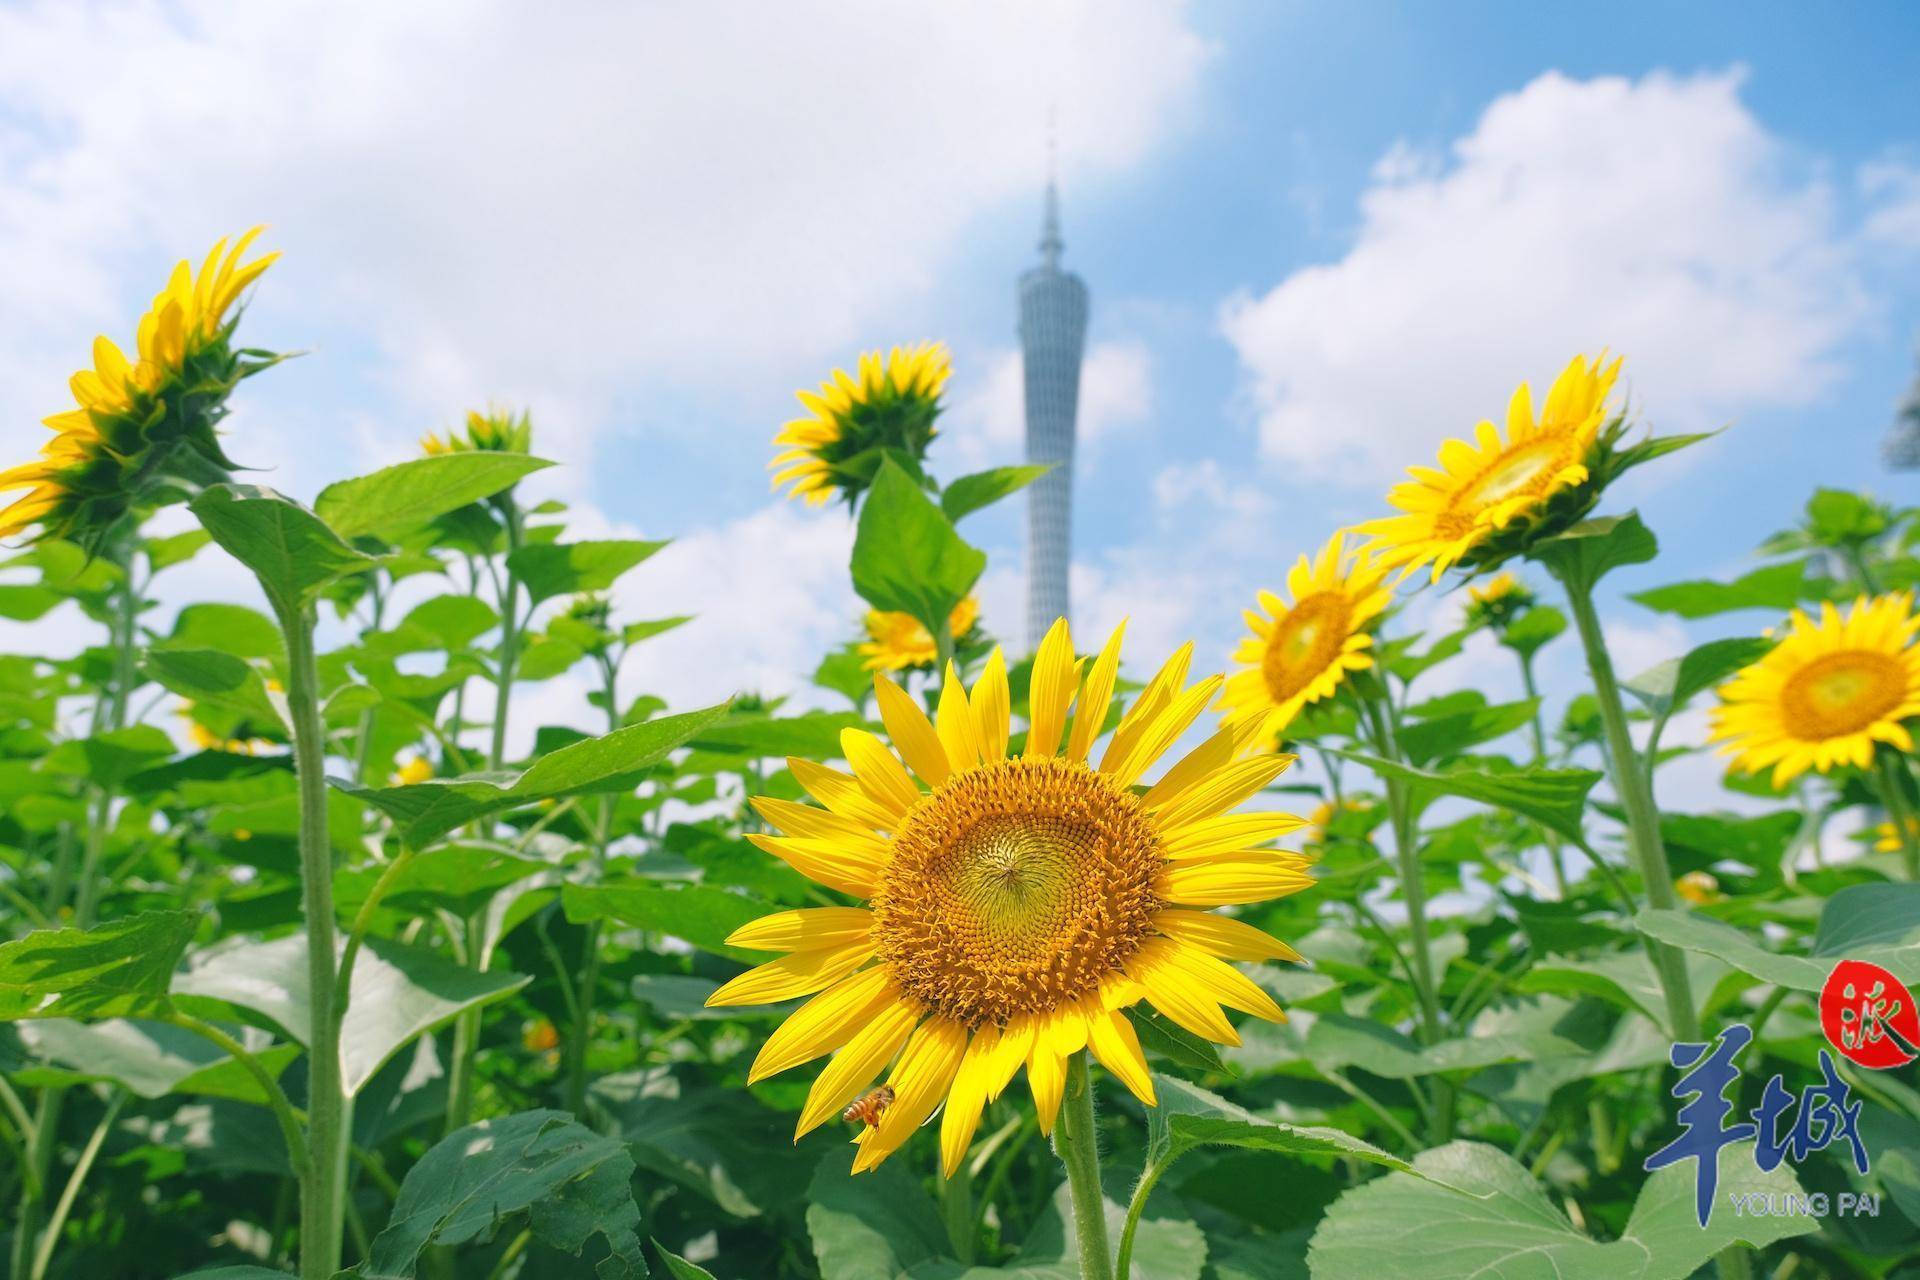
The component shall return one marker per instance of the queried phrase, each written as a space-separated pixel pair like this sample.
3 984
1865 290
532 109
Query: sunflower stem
956 1208
1888 771
1555 857
323 1191
1075 1142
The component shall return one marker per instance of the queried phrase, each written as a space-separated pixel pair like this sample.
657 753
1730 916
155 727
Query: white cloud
502 201
1892 189
1654 217
987 425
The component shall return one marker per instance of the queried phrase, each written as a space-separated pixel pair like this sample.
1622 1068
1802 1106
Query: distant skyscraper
1053 338
1902 446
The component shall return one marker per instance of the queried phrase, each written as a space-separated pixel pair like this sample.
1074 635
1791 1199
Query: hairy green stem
1643 820
1555 857
322 1195
1891 774
1075 1142
1149 1177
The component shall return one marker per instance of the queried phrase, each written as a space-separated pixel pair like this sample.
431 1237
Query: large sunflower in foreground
887 405
1538 470
142 422
1828 693
1017 904
1300 652
900 641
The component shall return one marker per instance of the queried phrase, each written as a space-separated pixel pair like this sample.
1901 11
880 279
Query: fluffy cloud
573 210
1655 217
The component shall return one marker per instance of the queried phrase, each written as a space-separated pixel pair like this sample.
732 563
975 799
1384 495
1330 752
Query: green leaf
722 1143
398 992
1336 1041
815 735
1534 629
230 628
1668 686
984 488
425 811
1879 923
1555 798
26 601
409 494
634 632
1776 586
906 556
1505 1224
243 1272
110 758
149 1059
692 913
289 549
566 568
678 1267
1168 1039
211 678
164 553
111 970
1189 1116
1590 550
460 878
1426 741
573 1183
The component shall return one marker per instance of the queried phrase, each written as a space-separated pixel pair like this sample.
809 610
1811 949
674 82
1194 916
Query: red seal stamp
1869 1016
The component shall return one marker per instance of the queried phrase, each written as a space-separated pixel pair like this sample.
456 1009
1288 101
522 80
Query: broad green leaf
1555 798
425 811
111 970
409 494
566 568
1336 1041
230 628
110 758
149 1059
635 632
1879 923
1168 1039
984 488
1501 1223
448 622
906 556
692 913
1426 741
28 601
212 678
1590 550
1894 1140
1534 629
1775 587
814 736
1623 978
573 1183
290 549
1668 686
460 878
164 553
245 1271
399 992
1188 1116
721 1143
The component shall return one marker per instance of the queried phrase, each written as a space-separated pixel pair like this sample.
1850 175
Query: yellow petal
843 794
913 737
1047 1077
1153 739
818 824
1221 936
1223 879
1221 982
1202 762
1226 833
966 1099
1222 790
879 771
1090 717
920 1080
992 704
854 1067
825 1022
1173 992
1050 691
955 727
1111 1037
807 929
1146 708
800 974
853 871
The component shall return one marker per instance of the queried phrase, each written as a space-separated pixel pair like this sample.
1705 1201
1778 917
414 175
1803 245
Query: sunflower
417 770
1498 601
1826 694
1300 652
1887 836
1016 904
143 422
898 641
855 420
1698 887
1537 475
495 431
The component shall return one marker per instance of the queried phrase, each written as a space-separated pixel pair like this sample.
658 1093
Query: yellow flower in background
1827 693
149 419
495 431
1320 821
540 1036
1299 652
1698 887
415 771
1502 586
1016 905
1887 836
898 641
1489 483
888 404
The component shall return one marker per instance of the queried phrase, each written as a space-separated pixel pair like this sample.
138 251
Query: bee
866 1108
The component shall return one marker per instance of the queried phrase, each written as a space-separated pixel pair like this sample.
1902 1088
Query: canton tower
1053 338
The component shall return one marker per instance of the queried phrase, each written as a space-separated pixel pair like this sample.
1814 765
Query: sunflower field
1088 962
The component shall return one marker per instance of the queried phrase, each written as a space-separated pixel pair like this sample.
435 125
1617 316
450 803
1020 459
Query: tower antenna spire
1050 242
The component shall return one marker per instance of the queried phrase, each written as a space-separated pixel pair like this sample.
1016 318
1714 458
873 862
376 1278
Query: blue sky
1318 238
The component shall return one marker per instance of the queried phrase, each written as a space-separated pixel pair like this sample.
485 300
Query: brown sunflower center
1841 693
1015 888
1305 642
